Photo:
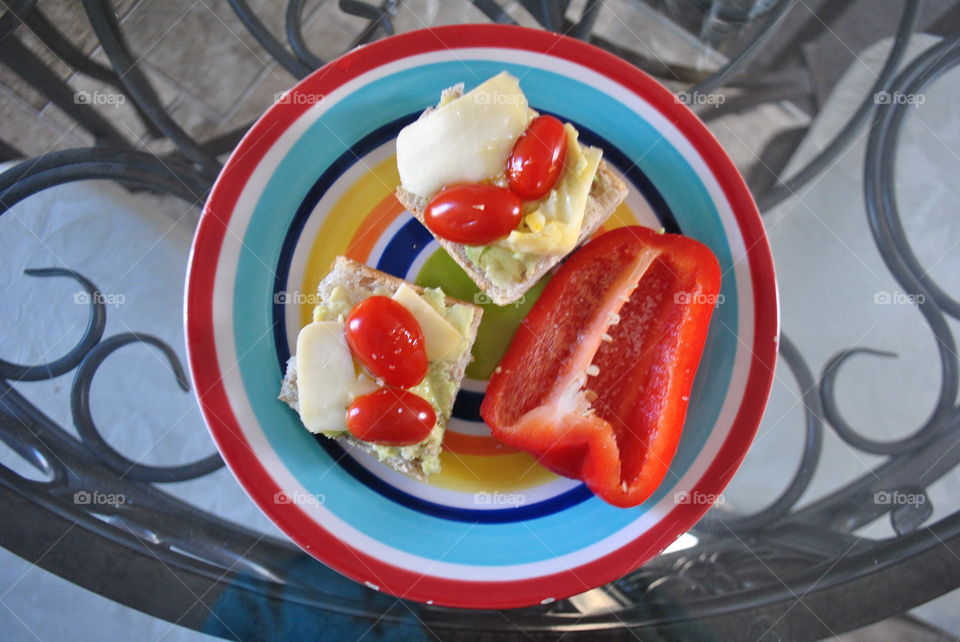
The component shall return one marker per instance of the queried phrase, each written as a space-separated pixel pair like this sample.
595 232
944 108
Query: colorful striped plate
314 178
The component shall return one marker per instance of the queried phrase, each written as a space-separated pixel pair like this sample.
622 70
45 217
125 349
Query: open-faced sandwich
381 364
506 191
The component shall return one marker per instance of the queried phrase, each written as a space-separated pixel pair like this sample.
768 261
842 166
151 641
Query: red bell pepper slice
597 378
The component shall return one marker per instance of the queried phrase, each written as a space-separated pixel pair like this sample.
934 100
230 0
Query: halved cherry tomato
391 417
386 338
473 214
537 158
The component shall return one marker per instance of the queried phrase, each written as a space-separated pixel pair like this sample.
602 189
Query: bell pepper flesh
597 378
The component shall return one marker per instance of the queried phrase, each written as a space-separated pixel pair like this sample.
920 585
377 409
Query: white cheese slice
442 339
466 140
325 376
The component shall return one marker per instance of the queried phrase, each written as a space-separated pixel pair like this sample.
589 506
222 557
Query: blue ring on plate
398 255
403 249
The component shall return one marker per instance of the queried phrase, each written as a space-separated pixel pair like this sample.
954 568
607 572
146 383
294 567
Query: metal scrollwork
96 323
83 420
884 218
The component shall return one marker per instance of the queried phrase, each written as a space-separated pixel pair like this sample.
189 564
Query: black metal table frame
783 572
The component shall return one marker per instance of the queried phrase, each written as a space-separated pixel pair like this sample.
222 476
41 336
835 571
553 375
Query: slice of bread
360 282
606 193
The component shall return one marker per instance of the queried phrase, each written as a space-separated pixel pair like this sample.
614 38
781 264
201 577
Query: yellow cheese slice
554 226
442 339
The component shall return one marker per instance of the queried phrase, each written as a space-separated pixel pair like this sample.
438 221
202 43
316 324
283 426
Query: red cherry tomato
386 338
391 417
537 158
473 214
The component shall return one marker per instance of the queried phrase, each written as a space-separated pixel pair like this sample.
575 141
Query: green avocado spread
502 266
